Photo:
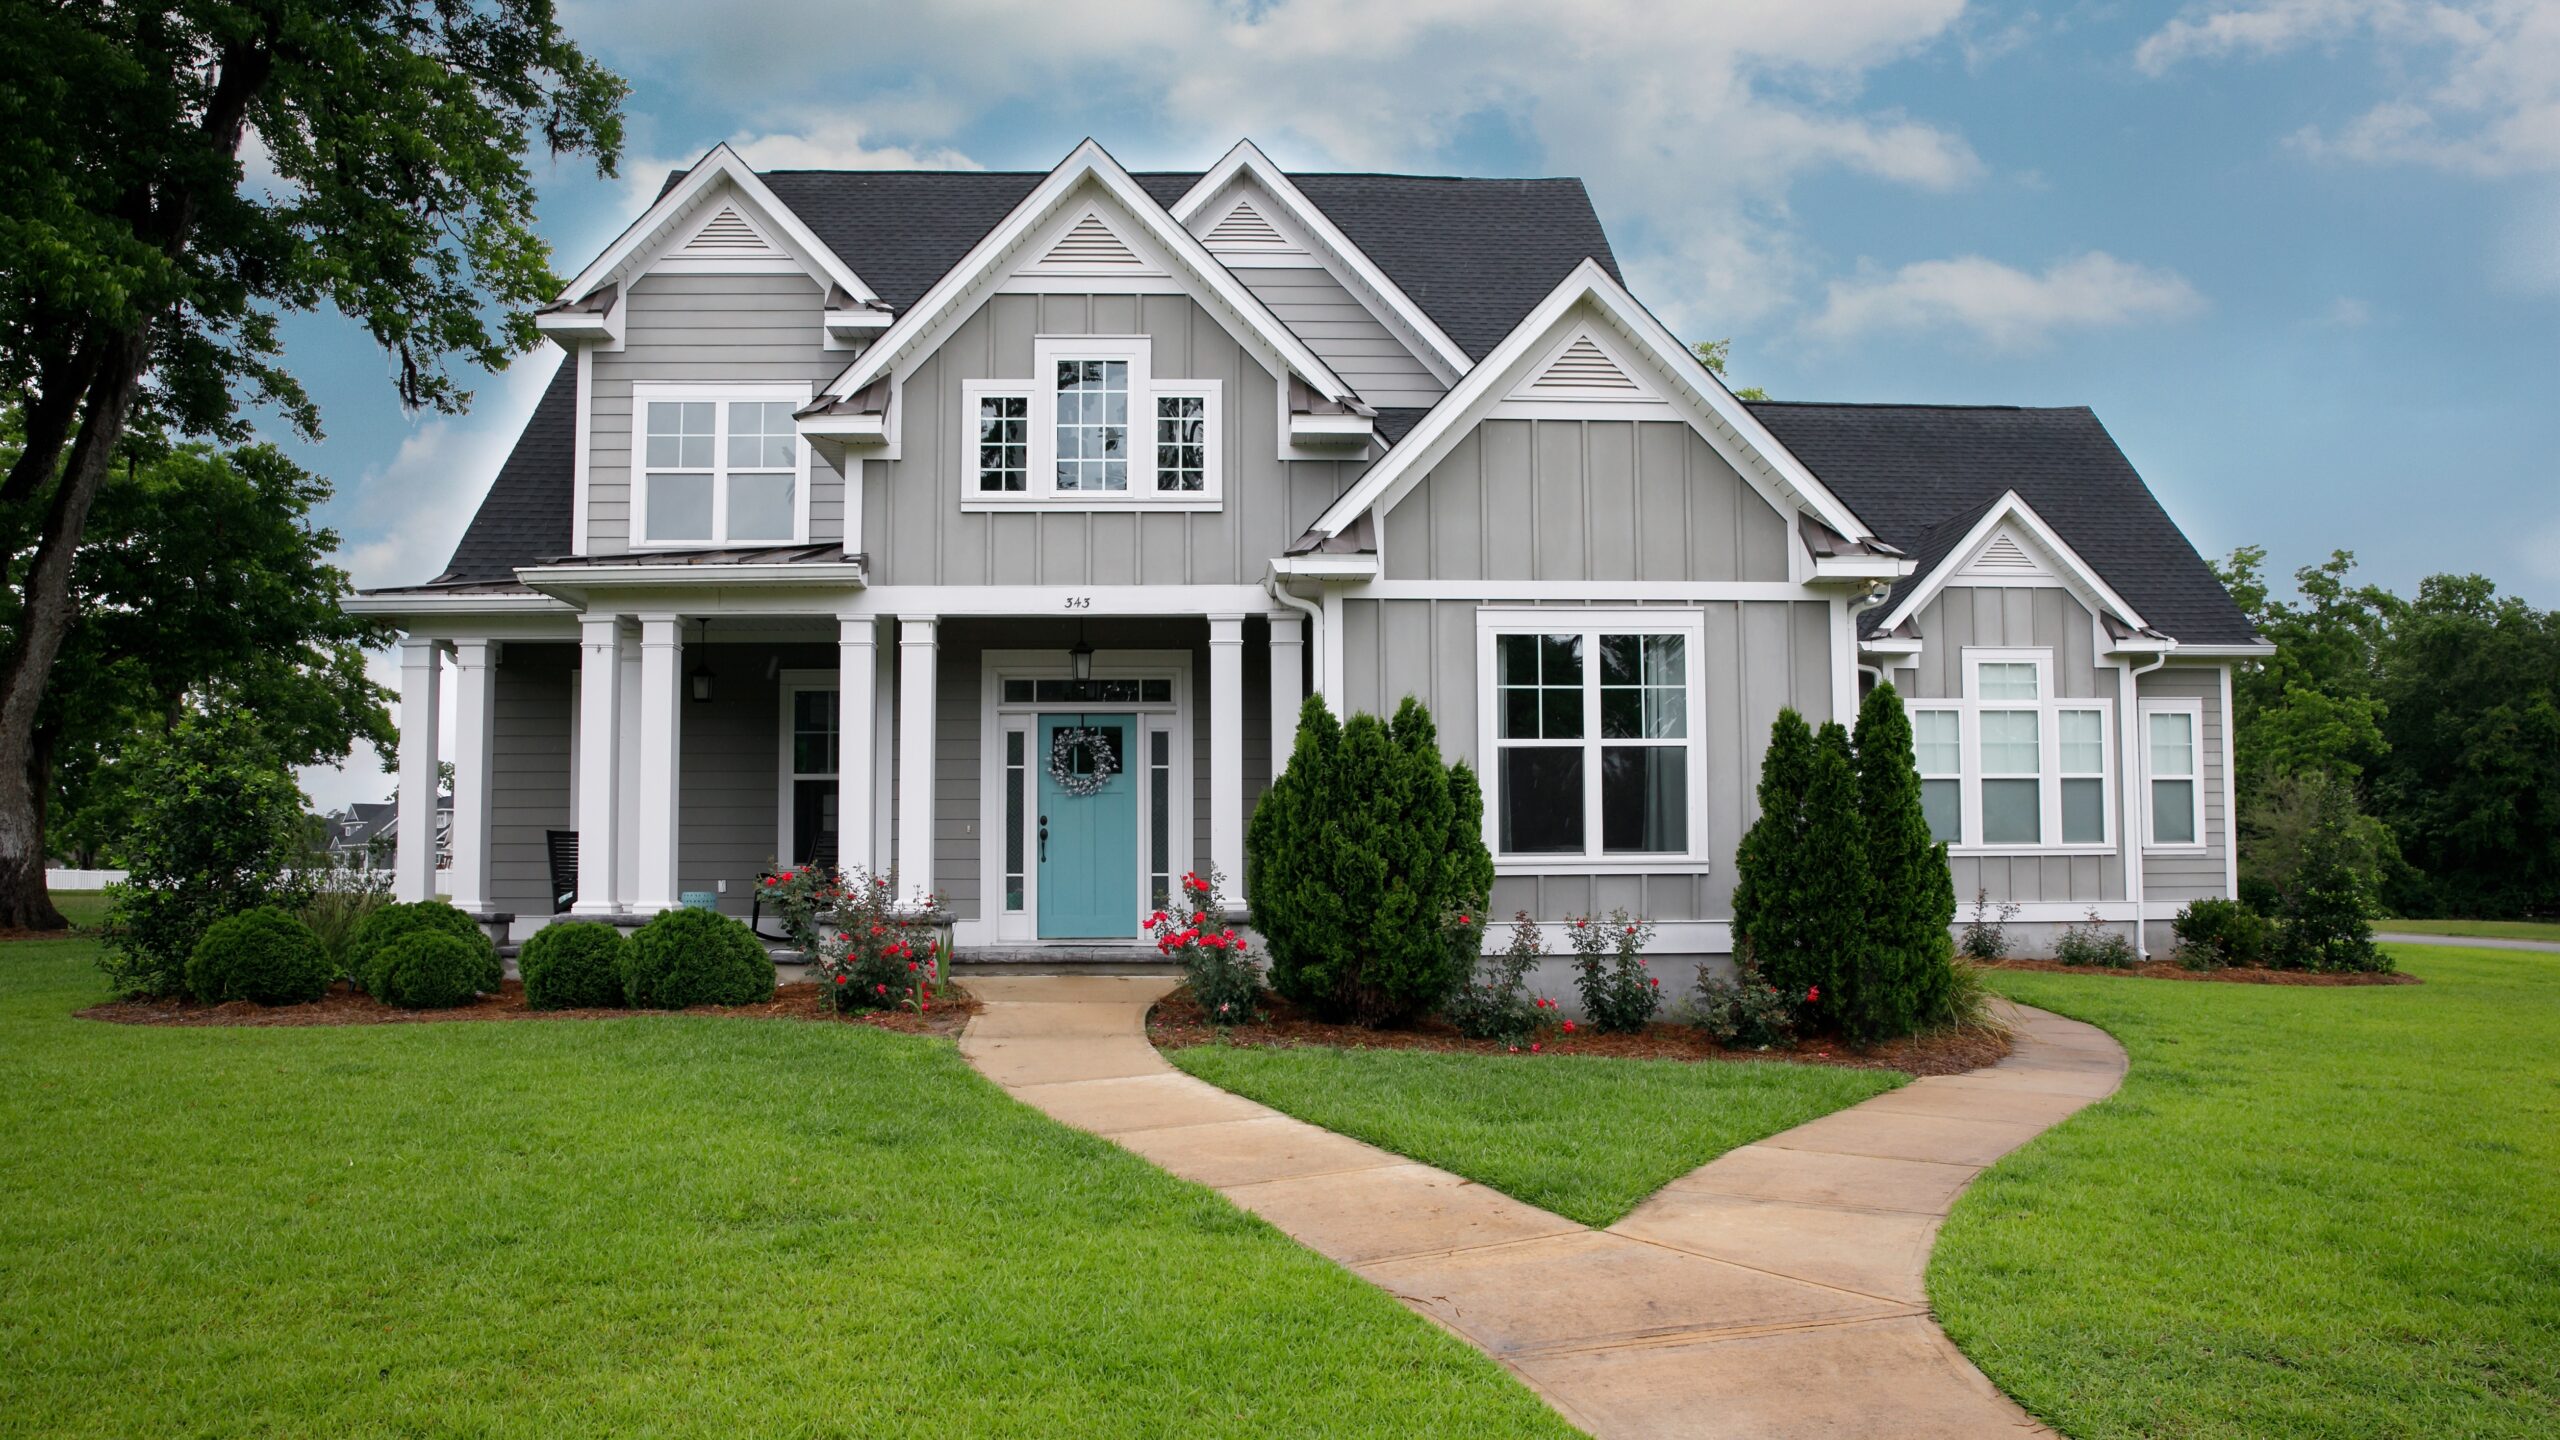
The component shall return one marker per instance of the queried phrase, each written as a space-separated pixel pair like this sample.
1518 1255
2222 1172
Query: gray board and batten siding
918 534
705 328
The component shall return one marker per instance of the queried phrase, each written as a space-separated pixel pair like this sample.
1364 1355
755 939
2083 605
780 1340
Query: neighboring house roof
1476 255
1924 475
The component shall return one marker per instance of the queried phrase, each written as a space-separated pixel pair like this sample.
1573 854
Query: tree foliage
1358 852
1913 904
143 269
1769 866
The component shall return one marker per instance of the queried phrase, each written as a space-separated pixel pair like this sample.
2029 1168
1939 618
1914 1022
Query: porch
731 743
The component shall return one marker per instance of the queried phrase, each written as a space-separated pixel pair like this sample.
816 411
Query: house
365 835
992 527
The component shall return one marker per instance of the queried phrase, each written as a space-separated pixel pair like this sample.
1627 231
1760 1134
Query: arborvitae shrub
573 965
393 923
1363 846
2329 907
426 970
695 957
262 955
1768 911
1835 884
1906 978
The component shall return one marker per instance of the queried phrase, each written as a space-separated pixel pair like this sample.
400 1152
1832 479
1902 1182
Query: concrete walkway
2468 942
1775 1291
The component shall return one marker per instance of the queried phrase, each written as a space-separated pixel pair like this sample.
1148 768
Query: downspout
1315 627
2134 883
1878 592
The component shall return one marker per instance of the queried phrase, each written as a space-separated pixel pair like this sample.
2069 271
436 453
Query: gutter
1315 625
2135 883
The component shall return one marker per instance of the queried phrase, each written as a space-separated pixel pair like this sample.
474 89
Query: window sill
1990 851
1600 865
987 505
664 547
2196 848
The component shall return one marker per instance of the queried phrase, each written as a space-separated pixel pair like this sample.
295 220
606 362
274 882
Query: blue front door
1088 842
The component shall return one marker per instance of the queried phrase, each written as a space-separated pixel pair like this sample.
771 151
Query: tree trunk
60 383
43 622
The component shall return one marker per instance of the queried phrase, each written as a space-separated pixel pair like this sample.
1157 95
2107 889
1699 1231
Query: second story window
717 464
2012 765
1096 430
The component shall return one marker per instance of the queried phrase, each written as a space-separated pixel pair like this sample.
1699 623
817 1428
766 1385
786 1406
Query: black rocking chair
563 848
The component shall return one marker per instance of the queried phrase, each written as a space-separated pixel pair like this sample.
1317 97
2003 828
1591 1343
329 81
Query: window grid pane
2173 812
1015 779
1093 425
679 507
1644 799
1643 688
1541 800
1160 818
1004 442
680 434
1540 686
2012 812
2173 743
762 436
1182 443
2084 811
1942 801
2006 680
2084 742
760 507
1936 741
814 736
2010 743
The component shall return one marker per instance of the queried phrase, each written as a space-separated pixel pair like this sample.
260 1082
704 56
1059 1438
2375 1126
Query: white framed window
812 741
1587 727
1093 429
2011 766
2172 739
717 464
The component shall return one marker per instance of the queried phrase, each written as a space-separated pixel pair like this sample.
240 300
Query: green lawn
2309 1212
1586 1138
661 1226
84 908
2488 929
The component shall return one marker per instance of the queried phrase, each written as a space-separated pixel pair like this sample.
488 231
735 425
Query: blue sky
2301 256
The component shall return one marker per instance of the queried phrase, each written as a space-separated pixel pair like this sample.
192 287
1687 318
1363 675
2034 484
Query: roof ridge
1923 405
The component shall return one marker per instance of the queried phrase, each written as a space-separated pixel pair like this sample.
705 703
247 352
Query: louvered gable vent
1244 225
2005 556
1090 243
1584 366
728 237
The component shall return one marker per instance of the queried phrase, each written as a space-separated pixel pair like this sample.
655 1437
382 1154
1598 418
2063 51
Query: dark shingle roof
1922 475
1476 255
528 509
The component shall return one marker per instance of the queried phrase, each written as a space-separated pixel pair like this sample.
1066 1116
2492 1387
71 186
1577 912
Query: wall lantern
1081 657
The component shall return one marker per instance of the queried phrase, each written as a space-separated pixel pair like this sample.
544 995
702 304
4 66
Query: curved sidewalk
1775 1291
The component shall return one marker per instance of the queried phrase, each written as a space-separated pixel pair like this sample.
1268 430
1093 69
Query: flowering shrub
2092 943
1494 1003
1746 1012
870 949
1223 977
1618 993
1987 938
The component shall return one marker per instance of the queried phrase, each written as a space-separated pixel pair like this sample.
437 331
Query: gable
1582 366
2006 556
719 213
1090 246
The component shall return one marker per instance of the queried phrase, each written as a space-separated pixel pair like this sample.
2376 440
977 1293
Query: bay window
1587 724
1093 429
2172 740
2011 766
718 464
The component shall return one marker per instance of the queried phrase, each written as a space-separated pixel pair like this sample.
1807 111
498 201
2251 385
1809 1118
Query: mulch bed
1177 1023
346 1005
2233 975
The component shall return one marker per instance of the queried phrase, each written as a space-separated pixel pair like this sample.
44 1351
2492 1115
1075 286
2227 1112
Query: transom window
2172 736
1590 737
718 465
1094 430
2011 766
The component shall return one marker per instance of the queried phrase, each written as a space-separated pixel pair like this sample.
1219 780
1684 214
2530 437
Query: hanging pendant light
1081 657
699 682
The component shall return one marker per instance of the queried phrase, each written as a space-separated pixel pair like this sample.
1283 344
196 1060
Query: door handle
1044 839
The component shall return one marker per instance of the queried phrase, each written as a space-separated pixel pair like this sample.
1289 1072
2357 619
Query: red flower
1463 920
911 967
1535 1047
1631 929
842 978
1656 984
1812 993
1568 1027
879 989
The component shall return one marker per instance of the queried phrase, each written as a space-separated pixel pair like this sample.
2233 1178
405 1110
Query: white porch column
857 673
916 656
599 761
474 714
1288 686
415 876
626 771
1226 750
661 693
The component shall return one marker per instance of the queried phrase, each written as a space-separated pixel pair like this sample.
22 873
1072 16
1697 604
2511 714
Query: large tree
201 584
142 272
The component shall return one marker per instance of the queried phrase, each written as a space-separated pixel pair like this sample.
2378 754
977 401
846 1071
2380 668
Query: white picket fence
81 879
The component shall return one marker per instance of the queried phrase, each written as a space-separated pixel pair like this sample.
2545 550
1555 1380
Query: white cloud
826 142
2004 307
410 511
2472 86
1690 123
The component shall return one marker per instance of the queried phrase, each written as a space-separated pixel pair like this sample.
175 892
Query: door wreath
1101 760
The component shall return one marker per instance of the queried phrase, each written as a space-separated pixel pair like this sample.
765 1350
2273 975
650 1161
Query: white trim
2010 508
2230 800
997 716
791 683
1684 592
917 661
656 223
2191 706
474 737
421 712
1087 163
2252 650
1326 567
1072 601
1226 750
581 469
1440 354
1690 625
1040 420
478 609
2048 706
857 678
655 885
598 741
720 395
1725 423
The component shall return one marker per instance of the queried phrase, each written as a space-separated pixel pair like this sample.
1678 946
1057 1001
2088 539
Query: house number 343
1079 602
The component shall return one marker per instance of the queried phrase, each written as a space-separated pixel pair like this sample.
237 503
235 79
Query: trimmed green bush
1360 851
1905 977
2215 933
573 965
1768 910
695 957
426 970
2329 907
1833 888
393 923
263 955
